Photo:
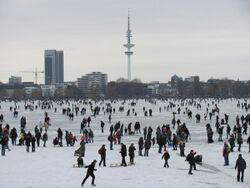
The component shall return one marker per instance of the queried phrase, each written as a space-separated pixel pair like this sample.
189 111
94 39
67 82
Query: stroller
78 152
81 150
198 159
55 141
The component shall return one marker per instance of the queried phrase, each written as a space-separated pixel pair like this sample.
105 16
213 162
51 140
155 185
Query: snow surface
52 166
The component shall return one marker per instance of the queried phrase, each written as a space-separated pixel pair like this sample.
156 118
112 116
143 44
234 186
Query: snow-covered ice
52 166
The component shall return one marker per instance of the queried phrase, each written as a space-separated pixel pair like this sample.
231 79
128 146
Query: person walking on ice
225 153
190 159
102 152
241 165
166 157
123 154
131 151
90 172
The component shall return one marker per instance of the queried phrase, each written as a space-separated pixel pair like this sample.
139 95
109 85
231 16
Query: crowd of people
167 136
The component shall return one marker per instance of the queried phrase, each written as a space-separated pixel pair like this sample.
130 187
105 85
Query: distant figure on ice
239 141
140 145
45 138
90 172
231 142
110 118
228 130
182 148
209 134
60 136
190 159
174 142
131 151
166 157
102 126
4 143
241 165
147 146
248 141
123 154
226 151
110 139
33 143
102 152
28 141
220 132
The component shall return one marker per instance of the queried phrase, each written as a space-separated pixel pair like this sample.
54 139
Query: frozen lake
52 166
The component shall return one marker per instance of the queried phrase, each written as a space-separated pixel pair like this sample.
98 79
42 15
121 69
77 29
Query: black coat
140 143
13 134
28 140
190 158
248 140
4 140
123 151
33 141
147 144
166 156
175 140
240 164
59 133
38 135
91 168
45 137
131 151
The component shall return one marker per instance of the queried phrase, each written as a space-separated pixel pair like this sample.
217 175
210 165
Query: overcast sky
209 38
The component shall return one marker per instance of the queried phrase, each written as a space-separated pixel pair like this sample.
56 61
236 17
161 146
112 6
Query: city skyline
209 38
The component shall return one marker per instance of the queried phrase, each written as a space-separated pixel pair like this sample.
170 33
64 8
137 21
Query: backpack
188 158
109 138
99 151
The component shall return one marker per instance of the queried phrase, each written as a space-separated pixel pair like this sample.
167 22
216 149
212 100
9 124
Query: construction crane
36 72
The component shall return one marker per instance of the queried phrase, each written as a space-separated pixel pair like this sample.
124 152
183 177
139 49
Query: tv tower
129 46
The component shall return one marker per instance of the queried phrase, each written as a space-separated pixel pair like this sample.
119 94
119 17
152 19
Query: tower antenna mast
129 45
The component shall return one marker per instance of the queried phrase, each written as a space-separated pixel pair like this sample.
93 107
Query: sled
197 159
78 153
120 165
76 166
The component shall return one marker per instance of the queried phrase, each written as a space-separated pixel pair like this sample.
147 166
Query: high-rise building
193 79
93 81
82 83
15 80
54 67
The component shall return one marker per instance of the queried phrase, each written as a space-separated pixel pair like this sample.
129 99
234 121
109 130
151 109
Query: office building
54 67
93 81
15 80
